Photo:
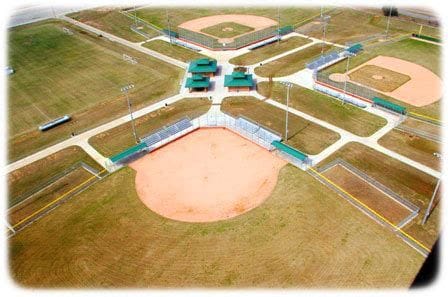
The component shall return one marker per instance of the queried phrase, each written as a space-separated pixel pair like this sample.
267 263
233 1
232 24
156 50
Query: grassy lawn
303 235
111 21
227 30
389 82
32 176
415 51
408 182
270 50
179 15
304 135
347 117
77 74
414 147
423 126
119 138
174 51
291 63
354 25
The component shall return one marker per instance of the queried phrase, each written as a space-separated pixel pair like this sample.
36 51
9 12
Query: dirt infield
252 21
209 175
422 89
368 194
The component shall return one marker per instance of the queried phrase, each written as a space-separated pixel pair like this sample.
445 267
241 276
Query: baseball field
202 175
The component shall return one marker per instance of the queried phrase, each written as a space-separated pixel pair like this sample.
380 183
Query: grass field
106 237
119 138
304 135
422 126
174 51
227 30
367 194
415 51
414 147
354 25
179 15
32 176
408 182
270 50
111 21
291 63
389 82
77 74
348 117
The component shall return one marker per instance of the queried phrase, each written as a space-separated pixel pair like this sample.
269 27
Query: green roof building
238 81
198 82
204 66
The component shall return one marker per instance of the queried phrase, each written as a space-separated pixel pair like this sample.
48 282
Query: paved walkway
218 93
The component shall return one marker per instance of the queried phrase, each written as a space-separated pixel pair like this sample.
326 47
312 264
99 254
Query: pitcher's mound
208 175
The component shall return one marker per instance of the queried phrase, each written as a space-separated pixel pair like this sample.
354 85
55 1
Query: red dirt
209 175
424 88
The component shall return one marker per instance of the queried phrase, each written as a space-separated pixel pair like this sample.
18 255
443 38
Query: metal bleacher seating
167 131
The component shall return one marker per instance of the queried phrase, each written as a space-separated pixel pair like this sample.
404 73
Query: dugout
389 105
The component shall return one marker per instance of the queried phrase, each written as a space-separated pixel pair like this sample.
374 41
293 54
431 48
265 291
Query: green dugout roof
203 66
289 150
128 152
389 105
238 79
198 81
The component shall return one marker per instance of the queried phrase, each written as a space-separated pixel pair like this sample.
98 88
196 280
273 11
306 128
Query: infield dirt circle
208 175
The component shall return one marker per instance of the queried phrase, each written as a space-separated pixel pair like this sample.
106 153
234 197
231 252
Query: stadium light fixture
288 86
125 89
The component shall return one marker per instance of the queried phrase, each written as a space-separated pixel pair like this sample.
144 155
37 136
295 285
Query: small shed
238 81
204 66
198 82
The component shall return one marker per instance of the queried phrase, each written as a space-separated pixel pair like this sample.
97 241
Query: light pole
125 90
288 86
278 24
169 26
428 210
388 22
346 78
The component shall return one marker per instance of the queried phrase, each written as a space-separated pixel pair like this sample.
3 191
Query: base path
208 175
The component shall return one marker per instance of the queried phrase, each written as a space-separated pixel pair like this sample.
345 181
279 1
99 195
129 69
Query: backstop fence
239 42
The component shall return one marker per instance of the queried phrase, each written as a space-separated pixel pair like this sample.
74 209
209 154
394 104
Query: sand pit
422 89
208 175
253 21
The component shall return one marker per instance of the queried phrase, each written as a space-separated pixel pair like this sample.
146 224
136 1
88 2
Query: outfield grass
111 21
415 51
410 183
179 15
220 31
174 51
270 50
31 176
414 147
115 140
77 74
292 63
304 135
303 235
323 107
354 25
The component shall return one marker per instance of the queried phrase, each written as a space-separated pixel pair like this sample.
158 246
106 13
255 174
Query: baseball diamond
223 147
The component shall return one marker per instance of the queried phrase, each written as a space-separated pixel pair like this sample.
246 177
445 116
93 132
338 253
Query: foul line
426 117
373 211
56 200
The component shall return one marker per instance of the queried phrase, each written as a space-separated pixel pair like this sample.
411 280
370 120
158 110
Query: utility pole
125 90
346 78
428 210
388 22
169 26
288 86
